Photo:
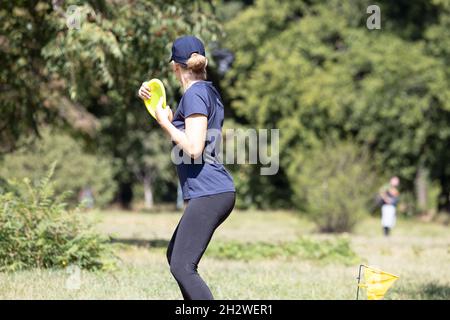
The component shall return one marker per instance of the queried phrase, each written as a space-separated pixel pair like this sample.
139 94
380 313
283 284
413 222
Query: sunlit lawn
418 252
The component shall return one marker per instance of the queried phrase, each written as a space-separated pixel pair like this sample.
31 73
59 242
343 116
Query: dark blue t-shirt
205 175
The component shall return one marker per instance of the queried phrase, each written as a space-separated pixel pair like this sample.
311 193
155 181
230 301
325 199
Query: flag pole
359 279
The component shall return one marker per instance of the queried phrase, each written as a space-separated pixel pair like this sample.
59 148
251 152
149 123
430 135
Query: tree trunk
421 190
148 191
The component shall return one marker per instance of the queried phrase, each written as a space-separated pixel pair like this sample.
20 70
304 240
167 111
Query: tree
319 74
30 95
84 77
438 45
110 57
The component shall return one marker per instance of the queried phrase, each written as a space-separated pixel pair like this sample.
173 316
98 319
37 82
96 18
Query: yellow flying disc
157 91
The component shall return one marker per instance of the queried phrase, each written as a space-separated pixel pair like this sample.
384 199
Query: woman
390 196
208 189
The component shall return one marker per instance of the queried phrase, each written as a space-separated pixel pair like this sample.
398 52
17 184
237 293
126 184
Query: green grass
254 255
327 251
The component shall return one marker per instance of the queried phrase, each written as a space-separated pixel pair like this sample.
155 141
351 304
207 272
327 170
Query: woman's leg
169 258
195 229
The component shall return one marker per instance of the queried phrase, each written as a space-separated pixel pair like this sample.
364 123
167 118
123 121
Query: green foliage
85 79
308 67
337 250
110 56
334 185
258 191
37 231
75 168
316 72
21 70
253 189
406 205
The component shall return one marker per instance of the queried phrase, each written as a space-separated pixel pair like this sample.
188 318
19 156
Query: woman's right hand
144 91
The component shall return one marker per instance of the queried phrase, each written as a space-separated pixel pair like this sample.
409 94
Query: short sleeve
194 103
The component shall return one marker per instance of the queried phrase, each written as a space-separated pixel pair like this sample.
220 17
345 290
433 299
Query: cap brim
178 61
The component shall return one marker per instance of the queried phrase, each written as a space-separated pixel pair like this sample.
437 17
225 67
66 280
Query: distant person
389 196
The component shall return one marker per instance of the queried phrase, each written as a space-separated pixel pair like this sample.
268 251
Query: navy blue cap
183 47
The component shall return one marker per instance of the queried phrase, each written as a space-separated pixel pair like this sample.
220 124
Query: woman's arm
385 198
192 140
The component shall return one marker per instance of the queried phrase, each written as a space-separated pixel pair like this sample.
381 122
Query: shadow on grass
427 291
435 291
153 243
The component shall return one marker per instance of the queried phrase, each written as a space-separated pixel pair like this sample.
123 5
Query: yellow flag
377 283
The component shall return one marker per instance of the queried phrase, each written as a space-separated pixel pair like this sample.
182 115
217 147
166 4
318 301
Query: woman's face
395 181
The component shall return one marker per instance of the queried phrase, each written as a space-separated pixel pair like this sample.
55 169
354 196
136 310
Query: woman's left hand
163 115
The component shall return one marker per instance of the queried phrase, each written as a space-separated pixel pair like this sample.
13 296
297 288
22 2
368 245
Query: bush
75 170
334 185
37 231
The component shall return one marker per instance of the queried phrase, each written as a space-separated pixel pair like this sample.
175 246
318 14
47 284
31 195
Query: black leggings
190 239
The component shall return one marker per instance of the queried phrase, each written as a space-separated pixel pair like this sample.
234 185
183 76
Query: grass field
418 252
